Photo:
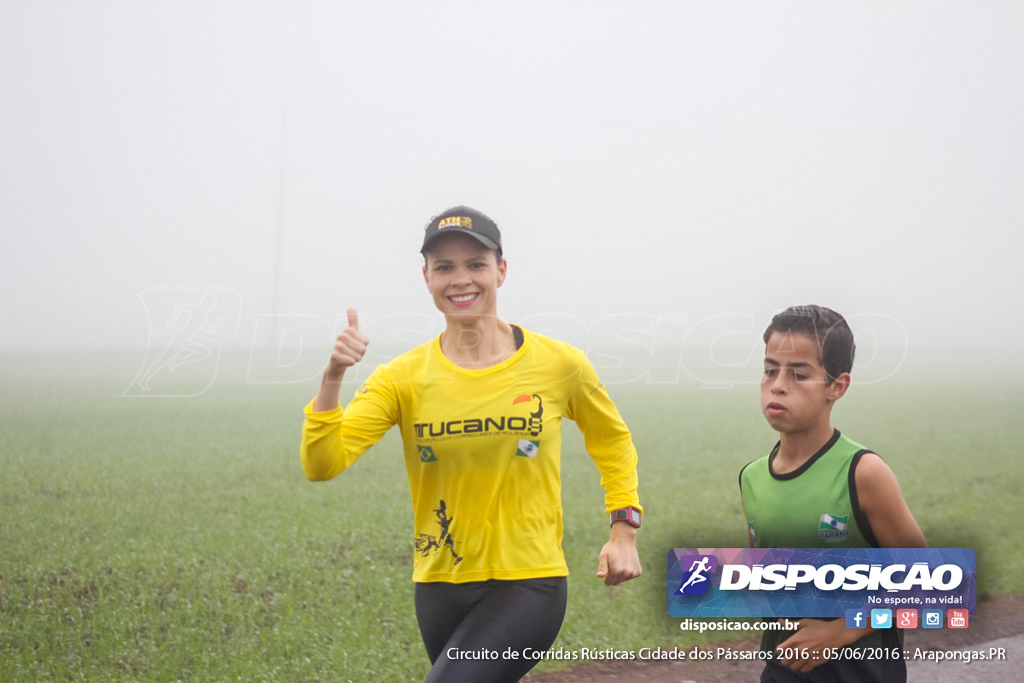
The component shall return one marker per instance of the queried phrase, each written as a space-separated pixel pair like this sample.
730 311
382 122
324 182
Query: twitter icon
881 618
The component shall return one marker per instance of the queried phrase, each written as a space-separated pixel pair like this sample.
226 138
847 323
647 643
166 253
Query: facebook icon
855 618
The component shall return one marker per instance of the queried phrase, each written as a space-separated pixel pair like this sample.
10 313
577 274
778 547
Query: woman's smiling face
463 276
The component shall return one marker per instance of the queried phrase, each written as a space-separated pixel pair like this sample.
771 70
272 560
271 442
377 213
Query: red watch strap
629 515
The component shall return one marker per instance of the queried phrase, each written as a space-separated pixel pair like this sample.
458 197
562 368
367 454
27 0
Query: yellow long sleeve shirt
482 450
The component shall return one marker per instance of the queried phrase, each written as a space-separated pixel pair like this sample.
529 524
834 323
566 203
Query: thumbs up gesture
350 347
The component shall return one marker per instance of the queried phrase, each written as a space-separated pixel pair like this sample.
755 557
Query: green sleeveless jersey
813 506
816 506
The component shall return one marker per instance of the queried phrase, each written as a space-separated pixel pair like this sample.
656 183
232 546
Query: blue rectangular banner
817 582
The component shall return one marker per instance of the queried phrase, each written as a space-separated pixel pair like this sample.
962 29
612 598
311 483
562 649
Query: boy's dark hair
829 329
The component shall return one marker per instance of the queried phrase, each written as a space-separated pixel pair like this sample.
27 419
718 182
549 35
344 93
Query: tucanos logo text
531 424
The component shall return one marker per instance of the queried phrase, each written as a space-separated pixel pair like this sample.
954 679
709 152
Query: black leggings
468 627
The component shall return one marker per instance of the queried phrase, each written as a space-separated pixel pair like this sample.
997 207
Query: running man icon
697 575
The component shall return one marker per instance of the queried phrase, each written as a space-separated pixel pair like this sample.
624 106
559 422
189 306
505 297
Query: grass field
166 539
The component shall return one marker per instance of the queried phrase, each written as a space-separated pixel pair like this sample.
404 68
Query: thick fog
663 172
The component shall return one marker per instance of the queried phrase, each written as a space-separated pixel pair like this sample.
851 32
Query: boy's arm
882 502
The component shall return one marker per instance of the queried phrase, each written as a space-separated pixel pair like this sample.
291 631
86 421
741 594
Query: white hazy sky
658 168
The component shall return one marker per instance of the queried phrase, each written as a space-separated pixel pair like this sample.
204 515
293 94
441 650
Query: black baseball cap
467 221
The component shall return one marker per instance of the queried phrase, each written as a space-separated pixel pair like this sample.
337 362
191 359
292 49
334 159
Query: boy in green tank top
817 488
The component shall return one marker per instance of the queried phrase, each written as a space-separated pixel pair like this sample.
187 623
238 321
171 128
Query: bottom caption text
703 653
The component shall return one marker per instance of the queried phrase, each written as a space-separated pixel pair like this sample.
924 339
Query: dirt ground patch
998 618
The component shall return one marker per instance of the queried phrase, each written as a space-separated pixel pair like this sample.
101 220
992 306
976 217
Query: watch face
629 515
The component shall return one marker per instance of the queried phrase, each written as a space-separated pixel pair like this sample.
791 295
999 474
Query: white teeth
463 297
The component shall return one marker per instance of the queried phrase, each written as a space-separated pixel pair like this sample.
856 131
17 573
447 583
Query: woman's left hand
619 560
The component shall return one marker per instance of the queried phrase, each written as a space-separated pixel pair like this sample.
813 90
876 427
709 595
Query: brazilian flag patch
527 448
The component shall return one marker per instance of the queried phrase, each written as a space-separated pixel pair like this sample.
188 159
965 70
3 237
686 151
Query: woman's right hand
349 348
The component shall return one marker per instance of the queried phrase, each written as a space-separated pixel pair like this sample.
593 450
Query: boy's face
795 393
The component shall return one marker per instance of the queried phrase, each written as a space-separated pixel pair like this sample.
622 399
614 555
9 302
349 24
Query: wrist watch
629 515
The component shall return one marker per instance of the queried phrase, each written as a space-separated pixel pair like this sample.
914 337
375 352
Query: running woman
480 412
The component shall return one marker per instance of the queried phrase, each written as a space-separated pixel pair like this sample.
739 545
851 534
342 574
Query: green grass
177 539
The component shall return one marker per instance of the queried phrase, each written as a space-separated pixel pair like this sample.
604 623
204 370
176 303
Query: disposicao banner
817 582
